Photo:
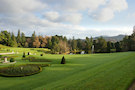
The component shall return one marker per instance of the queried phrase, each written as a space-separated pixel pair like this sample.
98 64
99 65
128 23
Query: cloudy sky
79 18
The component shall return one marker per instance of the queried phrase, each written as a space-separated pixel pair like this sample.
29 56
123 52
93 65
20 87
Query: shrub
0 56
8 49
42 65
41 54
24 55
12 60
28 53
63 60
33 59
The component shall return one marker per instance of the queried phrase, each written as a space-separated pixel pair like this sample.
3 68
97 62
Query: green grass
114 71
3 49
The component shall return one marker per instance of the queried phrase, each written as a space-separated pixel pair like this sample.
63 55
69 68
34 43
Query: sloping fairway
81 72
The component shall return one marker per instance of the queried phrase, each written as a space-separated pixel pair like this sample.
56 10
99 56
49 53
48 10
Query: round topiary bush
20 71
24 55
28 53
12 60
41 54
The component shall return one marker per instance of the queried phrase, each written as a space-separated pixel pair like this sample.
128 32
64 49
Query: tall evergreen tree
23 39
49 44
9 40
14 43
74 44
89 43
109 46
18 39
33 38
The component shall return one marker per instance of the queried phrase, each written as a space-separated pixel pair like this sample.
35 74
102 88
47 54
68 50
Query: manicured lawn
81 72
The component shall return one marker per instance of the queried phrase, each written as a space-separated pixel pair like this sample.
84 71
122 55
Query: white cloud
52 15
73 18
75 5
108 12
60 16
117 5
99 7
18 7
104 15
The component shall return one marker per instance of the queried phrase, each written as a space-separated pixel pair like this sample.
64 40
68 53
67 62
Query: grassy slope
98 71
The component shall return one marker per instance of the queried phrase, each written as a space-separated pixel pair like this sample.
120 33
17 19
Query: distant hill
112 38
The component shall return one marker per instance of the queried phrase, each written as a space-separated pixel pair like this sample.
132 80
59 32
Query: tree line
60 44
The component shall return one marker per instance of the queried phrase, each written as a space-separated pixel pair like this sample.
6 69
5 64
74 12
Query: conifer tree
18 38
63 61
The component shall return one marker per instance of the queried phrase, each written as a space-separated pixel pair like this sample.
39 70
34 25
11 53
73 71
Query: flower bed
19 71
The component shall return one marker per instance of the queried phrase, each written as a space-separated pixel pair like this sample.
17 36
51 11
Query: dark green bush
28 53
8 49
31 58
42 65
63 60
41 54
12 60
0 56
24 55
34 59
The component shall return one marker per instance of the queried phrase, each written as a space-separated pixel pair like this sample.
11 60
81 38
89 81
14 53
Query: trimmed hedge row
41 65
33 59
20 71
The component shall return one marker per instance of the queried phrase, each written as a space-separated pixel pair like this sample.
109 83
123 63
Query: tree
36 43
118 46
65 39
63 47
33 38
6 38
74 44
125 43
63 61
55 47
29 42
133 42
101 45
18 38
23 39
109 46
43 42
89 43
2 38
14 43
49 44
79 44
26 45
